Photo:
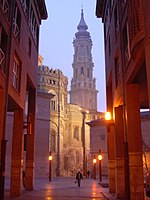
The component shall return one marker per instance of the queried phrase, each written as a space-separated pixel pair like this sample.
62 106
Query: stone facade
65 119
69 136
98 141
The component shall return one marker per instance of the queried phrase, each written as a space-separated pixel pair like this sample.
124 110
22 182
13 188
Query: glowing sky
56 37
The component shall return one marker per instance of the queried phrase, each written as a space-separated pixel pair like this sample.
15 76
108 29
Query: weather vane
82 5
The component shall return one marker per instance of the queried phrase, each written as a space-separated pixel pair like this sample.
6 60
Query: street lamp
50 162
109 121
108 116
100 170
86 167
94 167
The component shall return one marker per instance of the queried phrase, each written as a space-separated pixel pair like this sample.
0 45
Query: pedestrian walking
23 178
88 173
79 176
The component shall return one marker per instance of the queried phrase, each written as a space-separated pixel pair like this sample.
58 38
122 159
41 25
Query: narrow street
64 189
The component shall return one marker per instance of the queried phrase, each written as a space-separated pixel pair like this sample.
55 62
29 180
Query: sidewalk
64 189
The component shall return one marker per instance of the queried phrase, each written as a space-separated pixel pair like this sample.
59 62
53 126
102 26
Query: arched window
82 71
76 133
53 102
53 141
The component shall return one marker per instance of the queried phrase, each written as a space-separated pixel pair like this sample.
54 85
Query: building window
117 71
125 45
109 46
116 21
82 70
29 47
88 51
53 141
76 50
3 48
88 72
5 5
16 74
16 22
123 4
33 26
102 137
25 6
76 133
76 73
53 105
25 142
81 50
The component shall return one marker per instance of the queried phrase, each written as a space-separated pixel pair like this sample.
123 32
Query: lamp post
94 167
83 142
86 167
100 170
109 121
50 165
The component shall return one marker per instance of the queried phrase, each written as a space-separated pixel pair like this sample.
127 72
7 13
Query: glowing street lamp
108 116
100 170
109 121
94 167
50 162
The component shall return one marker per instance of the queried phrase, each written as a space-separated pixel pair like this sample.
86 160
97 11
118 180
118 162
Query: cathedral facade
69 135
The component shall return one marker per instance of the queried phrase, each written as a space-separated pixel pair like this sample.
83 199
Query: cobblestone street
64 189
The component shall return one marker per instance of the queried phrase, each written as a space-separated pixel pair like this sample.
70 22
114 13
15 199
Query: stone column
134 142
146 6
119 148
30 141
147 60
111 160
17 154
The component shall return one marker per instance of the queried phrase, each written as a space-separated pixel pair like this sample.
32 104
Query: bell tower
83 86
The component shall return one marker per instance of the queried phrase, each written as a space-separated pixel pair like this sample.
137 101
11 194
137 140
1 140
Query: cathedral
68 132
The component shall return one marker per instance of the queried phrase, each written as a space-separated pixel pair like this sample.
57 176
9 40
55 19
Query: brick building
127 58
19 41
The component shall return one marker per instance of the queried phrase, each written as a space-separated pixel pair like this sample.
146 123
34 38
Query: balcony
5 7
15 29
24 6
2 60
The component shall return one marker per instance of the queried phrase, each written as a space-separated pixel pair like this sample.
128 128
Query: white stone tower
83 86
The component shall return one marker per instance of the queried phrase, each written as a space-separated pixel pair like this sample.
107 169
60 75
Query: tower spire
82 25
83 85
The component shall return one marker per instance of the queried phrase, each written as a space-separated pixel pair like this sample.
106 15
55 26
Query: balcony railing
2 60
126 56
15 29
24 6
5 7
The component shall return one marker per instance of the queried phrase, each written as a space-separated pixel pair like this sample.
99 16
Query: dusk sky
56 37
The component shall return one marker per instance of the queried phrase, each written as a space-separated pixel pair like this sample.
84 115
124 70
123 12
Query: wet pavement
64 189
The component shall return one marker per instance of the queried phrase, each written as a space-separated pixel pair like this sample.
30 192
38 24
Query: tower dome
82 25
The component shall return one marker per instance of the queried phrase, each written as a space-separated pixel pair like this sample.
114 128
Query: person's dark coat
79 176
